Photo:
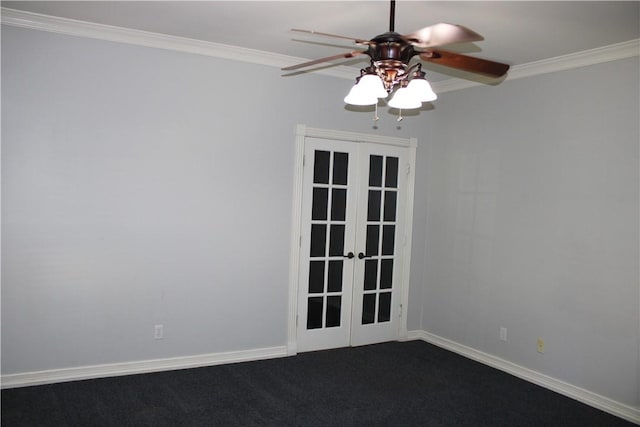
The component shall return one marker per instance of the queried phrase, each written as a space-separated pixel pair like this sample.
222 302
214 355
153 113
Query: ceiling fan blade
358 41
442 34
465 63
328 58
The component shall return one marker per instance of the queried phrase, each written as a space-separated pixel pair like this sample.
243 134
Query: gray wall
532 211
139 186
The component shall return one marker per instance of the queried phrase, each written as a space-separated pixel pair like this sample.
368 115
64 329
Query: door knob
349 255
361 256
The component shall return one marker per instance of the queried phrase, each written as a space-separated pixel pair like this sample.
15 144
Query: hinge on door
300 241
296 320
400 315
408 168
304 159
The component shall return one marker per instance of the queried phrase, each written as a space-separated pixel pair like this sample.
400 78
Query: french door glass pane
334 305
338 204
368 308
334 283
319 203
384 309
390 205
314 312
318 240
370 274
386 274
391 175
336 240
373 235
340 167
375 171
388 237
316 277
373 205
321 167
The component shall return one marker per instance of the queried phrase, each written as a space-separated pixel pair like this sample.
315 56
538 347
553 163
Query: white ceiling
516 32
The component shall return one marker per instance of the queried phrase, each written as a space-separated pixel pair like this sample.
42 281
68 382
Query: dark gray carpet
391 384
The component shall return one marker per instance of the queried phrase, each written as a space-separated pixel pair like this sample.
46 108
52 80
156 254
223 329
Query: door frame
302 133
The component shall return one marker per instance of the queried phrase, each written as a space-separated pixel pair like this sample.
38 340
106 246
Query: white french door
352 243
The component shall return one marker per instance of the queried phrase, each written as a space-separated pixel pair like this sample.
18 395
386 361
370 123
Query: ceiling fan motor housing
390 48
390 54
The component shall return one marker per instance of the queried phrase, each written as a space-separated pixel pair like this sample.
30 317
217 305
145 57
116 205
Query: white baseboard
139 367
585 396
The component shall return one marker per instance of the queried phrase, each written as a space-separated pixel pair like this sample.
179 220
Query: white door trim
303 132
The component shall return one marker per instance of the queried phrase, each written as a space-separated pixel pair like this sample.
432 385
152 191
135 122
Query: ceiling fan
391 52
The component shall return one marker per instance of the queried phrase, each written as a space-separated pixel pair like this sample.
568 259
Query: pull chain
375 114
399 115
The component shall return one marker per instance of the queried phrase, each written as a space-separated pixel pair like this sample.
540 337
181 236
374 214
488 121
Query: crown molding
74 27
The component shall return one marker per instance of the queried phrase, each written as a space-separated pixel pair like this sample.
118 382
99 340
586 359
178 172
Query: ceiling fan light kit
390 54
375 83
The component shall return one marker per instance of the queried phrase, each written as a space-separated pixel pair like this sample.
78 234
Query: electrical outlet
503 334
158 332
540 345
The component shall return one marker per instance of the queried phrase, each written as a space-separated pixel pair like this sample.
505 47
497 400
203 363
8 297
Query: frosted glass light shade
358 96
404 99
367 91
421 89
373 85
